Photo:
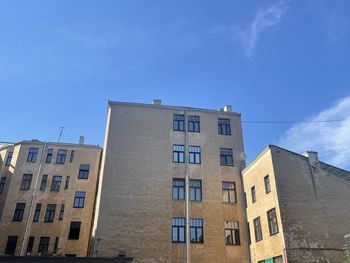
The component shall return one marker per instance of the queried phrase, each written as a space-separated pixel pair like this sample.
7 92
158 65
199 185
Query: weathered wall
315 209
136 205
269 246
83 155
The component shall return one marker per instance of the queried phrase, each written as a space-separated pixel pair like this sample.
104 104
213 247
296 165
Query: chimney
228 108
81 139
313 157
157 102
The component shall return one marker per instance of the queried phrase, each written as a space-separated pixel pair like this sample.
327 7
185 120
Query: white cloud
337 27
330 139
264 19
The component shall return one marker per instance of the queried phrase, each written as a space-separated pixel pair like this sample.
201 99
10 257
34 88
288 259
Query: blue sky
61 61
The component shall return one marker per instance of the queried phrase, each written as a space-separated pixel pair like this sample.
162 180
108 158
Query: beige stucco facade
61 197
311 199
135 204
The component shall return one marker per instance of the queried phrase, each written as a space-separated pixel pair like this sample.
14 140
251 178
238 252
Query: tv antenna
59 136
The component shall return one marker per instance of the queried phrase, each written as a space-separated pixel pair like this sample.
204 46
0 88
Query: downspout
187 184
30 215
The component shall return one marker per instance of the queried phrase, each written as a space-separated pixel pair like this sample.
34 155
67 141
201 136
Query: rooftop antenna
61 131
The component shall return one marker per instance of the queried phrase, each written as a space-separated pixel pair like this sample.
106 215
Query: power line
265 63
293 121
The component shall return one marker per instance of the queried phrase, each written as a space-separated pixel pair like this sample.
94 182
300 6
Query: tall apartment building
298 208
47 196
171 186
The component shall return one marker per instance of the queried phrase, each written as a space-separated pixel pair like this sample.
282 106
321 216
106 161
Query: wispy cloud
337 27
330 139
264 19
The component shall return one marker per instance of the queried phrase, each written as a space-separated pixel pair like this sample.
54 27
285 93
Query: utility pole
59 136
187 195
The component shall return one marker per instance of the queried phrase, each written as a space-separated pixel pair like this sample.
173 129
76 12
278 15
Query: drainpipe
187 184
30 215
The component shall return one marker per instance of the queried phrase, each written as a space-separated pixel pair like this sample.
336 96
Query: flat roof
59 144
169 107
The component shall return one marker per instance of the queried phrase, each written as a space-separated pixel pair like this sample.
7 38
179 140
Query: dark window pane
178 122
79 200
178 153
43 183
84 171
193 124
2 184
37 213
8 159
32 154
226 157
49 155
19 211
224 126
71 156
74 230
178 230
61 156
272 219
56 183
26 181
30 246
267 184
11 245
50 213
257 229
43 246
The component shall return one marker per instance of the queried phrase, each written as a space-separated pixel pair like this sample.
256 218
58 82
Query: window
224 126
232 233
249 238
61 213
267 184
37 213
193 124
32 155
84 171
196 230
66 184
178 122
49 155
253 192
56 183
195 154
8 159
229 192
196 190
71 156
2 184
61 156
11 245
178 189
226 158
43 182
178 153
19 211
26 181
257 229
56 245
178 230
79 200
278 259
50 213
30 246
43 245
272 219
74 230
